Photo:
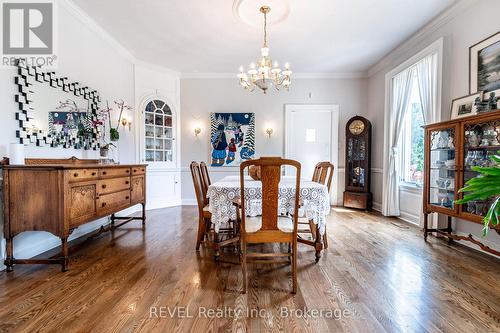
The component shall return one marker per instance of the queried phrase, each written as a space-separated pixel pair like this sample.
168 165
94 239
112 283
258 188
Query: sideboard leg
64 254
143 214
426 226
10 255
112 224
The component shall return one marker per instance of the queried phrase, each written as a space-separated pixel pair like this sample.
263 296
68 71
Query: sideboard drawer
110 201
82 174
114 172
113 185
138 170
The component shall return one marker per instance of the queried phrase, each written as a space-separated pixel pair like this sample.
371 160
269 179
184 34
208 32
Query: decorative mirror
54 111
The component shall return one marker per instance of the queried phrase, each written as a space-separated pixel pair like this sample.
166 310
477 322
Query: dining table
314 198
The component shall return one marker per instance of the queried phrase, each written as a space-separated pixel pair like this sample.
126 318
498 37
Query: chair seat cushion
253 224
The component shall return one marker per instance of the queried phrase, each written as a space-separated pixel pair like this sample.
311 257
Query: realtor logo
28 33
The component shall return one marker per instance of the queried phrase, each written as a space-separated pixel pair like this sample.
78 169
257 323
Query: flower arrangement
104 115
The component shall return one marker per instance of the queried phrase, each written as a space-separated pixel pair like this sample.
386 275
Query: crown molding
446 16
77 12
344 75
155 67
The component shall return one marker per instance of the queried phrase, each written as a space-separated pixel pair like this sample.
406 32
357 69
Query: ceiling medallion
266 74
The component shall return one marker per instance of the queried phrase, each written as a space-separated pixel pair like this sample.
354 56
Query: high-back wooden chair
323 174
270 227
204 214
205 180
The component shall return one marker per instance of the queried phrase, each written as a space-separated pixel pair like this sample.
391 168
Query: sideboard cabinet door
137 189
83 203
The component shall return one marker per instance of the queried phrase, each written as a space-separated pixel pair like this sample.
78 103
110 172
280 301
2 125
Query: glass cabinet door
356 163
442 168
481 140
158 132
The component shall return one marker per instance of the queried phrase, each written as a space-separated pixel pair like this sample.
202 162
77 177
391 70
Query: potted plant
104 149
484 187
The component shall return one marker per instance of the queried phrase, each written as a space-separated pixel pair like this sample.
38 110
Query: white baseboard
409 217
189 202
377 206
157 204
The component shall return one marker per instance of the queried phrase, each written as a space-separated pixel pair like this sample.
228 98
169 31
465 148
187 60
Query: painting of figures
232 138
69 124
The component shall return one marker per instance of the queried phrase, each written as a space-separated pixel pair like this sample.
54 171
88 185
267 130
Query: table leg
318 244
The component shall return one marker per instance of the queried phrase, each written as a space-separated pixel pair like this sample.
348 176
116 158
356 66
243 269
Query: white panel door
311 137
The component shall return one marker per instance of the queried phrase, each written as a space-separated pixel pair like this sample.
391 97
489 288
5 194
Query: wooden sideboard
58 196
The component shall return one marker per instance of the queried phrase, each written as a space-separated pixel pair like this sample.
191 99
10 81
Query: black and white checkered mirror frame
26 75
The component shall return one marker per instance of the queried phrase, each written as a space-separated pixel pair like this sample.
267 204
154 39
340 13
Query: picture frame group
484 79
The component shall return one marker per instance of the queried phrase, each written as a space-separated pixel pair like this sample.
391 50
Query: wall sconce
269 132
125 121
197 131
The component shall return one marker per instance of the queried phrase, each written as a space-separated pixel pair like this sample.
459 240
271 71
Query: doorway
311 136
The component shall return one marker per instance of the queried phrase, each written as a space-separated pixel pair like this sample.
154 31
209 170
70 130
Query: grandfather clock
357 164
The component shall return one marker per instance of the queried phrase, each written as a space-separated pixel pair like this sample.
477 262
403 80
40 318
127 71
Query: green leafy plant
114 135
484 187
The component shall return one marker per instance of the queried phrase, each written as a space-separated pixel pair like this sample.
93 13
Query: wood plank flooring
374 277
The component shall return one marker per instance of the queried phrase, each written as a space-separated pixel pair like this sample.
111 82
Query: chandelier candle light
266 74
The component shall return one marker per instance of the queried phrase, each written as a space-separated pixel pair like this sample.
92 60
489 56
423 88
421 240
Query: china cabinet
357 165
451 149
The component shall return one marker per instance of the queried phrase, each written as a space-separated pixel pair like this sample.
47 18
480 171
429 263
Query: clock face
357 127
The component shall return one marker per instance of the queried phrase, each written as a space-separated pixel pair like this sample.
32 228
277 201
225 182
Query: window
158 132
411 140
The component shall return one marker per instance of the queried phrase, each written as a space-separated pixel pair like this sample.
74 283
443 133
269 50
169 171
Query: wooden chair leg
244 266
312 226
325 240
216 246
201 233
294 268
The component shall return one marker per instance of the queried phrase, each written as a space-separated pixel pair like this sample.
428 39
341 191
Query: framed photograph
484 65
465 106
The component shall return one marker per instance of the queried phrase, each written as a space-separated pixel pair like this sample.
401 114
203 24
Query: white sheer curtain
426 70
400 97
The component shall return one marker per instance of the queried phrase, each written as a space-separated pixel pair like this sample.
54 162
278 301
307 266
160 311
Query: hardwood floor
374 277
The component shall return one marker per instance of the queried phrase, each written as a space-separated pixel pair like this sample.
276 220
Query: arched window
158 130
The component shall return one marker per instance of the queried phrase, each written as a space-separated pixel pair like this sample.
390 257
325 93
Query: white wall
467 23
84 55
200 97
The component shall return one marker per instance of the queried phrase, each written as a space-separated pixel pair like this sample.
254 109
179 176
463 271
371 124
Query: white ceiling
318 36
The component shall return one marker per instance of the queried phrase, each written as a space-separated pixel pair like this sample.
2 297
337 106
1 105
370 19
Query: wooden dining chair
205 181
225 236
204 214
323 174
270 227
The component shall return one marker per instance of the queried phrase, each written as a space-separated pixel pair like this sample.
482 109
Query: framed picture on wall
484 65
232 138
465 106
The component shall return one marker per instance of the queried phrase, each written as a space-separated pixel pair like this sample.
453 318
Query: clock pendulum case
358 164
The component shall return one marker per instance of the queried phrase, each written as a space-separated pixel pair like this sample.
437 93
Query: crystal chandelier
265 74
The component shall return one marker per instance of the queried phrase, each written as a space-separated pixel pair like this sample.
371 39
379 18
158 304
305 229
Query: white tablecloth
315 198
